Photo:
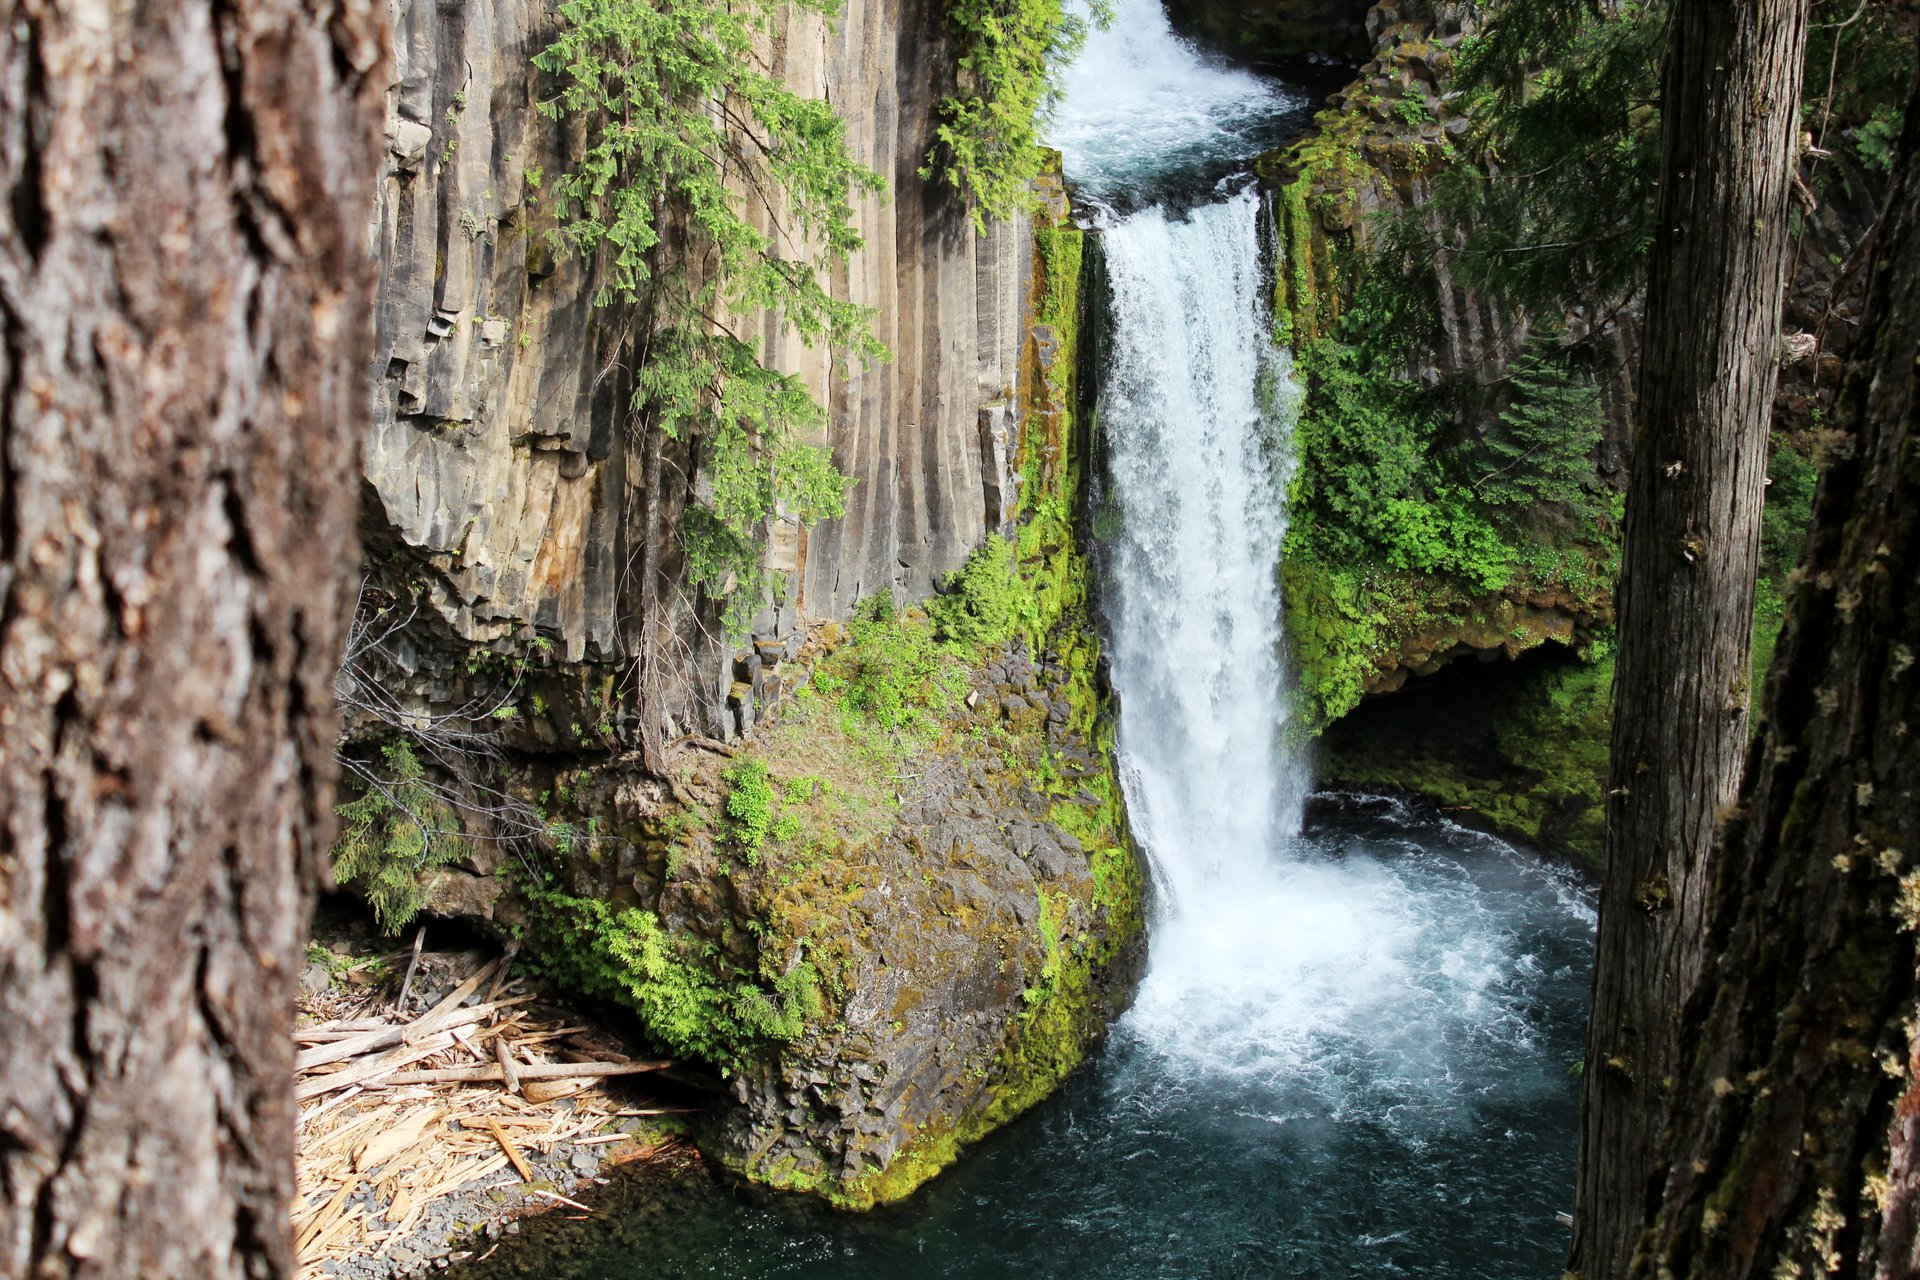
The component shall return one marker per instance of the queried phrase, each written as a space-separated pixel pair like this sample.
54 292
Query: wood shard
520 1165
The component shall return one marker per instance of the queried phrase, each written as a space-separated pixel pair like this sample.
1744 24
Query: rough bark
1730 91
184 295
1795 1138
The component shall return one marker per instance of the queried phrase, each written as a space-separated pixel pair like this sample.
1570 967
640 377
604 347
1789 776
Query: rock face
1265 29
500 456
933 934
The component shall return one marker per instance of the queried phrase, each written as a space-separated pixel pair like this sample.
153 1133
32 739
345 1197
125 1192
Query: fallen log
440 1018
366 1071
538 1071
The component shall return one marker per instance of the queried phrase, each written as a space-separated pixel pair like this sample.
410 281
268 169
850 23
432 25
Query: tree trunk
1795 1143
1730 95
184 297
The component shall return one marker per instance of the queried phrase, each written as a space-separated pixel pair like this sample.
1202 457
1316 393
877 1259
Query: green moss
693 1003
1528 760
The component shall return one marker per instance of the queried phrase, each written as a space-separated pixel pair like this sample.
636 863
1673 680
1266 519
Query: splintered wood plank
520 1165
372 1069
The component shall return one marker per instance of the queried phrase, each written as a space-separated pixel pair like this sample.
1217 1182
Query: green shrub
392 834
900 676
987 602
750 803
693 1006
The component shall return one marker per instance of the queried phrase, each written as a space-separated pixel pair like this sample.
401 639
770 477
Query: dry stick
343 1026
324 1219
541 1092
506 968
539 1071
320 1055
507 1071
520 1165
554 1195
413 966
308 1116
367 1071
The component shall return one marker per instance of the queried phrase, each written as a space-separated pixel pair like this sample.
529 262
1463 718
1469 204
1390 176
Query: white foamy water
1140 101
1315 976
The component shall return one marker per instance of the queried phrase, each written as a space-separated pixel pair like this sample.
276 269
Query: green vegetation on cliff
659 200
876 813
392 834
1006 55
1409 512
693 1007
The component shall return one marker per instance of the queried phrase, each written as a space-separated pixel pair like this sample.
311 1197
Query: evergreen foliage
1539 452
1557 211
988 137
391 835
685 131
1387 479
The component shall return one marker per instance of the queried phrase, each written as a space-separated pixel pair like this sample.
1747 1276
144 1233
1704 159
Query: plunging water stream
1350 1055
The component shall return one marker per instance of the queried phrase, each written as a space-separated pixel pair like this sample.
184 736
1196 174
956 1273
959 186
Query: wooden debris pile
401 1109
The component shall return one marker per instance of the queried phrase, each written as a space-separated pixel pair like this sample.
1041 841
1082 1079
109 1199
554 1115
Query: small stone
408 140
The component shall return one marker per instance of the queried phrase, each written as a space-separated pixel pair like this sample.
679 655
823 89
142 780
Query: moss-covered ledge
904 909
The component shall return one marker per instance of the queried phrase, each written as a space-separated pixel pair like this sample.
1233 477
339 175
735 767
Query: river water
1351 1055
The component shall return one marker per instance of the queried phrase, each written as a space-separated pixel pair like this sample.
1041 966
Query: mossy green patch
1522 749
693 1002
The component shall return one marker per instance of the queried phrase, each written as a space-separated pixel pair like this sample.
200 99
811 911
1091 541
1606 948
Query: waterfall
1349 1054
1344 981
1144 116
1202 405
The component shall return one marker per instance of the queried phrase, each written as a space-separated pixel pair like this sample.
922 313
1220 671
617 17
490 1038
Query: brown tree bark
184 299
1795 1140
1730 95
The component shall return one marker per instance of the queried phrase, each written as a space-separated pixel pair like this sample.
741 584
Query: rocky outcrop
886 937
501 463
964 948
1261 30
1485 629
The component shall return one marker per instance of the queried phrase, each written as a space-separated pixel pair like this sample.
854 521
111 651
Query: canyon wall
504 463
866 871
